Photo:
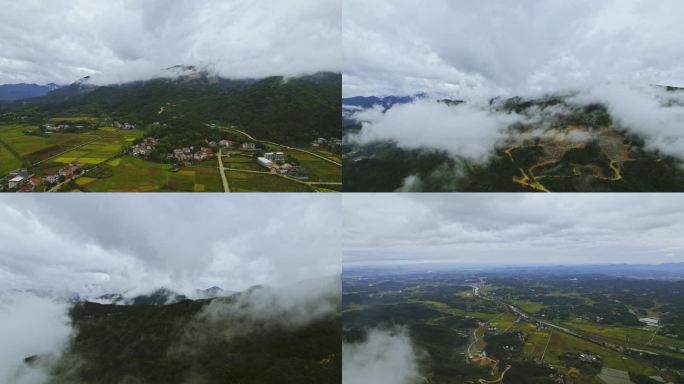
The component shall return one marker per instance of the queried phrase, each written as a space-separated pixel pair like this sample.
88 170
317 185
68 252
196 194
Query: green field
259 182
319 170
138 175
528 306
7 161
243 162
96 152
37 148
622 334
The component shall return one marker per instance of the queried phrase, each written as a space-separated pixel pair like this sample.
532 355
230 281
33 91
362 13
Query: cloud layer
513 229
89 245
118 41
468 130
531 47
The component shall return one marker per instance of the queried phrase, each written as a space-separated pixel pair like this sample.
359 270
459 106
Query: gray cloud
124 40
512 229
521 48
93 244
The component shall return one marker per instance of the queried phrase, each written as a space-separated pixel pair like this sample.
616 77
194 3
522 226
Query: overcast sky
511 229
122 40
459 47
94 244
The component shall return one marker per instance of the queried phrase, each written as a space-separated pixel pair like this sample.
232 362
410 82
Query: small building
15 181
270 156
279 156
248 146
649 321
264 162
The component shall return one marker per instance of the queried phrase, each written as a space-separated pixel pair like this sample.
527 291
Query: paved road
224 179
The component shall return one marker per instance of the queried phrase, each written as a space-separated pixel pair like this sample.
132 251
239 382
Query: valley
498 327
68 140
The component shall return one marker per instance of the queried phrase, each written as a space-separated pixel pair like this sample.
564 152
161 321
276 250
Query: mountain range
288 110
12 92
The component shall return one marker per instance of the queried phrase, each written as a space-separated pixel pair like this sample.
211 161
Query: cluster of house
275 156
144 148
333 141
118 124
247 146
267 161
20 180
190 154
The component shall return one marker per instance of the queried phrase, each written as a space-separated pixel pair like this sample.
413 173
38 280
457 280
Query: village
275 162
20 180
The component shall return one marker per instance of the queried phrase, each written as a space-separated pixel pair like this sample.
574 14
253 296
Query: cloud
468 130
651 112
260 310
90 245
119 41
512 229
460 48
29 325
385 357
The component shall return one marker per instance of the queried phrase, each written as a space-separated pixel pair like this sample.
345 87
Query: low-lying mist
29 326
471 134
386 356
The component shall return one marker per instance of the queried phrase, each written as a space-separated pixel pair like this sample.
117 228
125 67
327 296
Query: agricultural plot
319 170
100 150
131 174
242 162
37 148
633 335
327 154
7 161
260 182
561 343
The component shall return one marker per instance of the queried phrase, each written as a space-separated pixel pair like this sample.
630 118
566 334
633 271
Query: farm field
7 161
259 182
492 333
131 174
37 148
319 170
98 151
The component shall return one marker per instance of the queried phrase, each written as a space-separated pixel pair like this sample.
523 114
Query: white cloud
29 326
385 357
653 113
470 130
118 41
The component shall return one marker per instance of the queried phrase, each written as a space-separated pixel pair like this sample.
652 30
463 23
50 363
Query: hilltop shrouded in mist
123 41
87 280
513 92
